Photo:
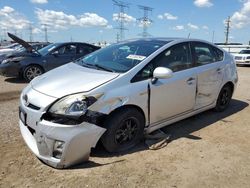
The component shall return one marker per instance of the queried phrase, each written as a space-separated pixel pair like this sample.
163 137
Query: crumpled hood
70 78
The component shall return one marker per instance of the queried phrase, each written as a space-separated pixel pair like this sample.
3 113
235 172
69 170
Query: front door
173 96
61 56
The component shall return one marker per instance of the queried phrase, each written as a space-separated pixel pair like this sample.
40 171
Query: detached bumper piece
61 146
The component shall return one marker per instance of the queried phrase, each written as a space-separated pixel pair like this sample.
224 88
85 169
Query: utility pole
117 37
121 18
213 37
145 20
31 32
45 32
5 34
228 21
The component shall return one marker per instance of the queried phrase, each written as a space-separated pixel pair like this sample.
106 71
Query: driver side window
176 58
66 50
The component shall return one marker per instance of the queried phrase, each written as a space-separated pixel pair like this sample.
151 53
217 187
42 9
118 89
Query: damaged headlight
73 105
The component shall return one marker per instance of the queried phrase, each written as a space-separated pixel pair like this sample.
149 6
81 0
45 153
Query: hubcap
33 72
225 97
127 131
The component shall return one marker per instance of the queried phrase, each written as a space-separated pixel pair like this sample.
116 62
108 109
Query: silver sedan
121 92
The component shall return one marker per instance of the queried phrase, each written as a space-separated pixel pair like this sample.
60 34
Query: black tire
124 130
32 71
224 98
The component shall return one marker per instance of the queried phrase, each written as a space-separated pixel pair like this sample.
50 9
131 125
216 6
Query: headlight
17 59
248 57
73 105
5 61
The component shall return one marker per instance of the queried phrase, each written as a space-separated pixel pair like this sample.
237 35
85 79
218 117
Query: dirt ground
208 150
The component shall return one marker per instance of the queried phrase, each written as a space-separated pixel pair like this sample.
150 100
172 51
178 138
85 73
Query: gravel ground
207 150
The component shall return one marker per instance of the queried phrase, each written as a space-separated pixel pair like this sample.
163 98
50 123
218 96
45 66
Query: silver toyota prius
119 93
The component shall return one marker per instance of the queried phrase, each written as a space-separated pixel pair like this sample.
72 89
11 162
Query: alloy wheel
127 131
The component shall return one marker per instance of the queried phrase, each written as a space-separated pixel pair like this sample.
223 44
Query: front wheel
224 98
124 130
31 72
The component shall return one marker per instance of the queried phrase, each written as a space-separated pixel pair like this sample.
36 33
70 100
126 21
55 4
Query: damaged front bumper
61 146
58 145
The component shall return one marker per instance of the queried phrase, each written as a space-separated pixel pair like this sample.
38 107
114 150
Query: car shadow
91 164
15 80
183 128
186 127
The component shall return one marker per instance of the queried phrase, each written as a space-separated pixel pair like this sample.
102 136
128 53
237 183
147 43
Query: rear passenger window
206 54
84 49
219 54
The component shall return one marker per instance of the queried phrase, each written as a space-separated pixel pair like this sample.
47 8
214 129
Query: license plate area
23 116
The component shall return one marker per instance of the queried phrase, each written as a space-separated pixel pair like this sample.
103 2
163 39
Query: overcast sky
96 20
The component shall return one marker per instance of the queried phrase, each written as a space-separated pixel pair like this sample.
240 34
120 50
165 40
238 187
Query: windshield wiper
98 67
103 68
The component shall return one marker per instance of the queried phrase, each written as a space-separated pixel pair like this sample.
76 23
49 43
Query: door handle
190 81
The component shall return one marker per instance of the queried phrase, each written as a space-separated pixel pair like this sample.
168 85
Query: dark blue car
30 65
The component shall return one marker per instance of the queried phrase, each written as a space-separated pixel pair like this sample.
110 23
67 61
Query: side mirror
161 73
55 53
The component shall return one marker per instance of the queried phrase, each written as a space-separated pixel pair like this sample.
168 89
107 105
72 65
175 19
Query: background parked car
10 48
43 60
243 58
21 51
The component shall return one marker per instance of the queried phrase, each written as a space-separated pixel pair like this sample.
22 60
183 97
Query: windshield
120 57
245 52
44 51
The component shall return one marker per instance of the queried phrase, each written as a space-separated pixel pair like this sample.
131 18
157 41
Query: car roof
63 43
154 39
166 40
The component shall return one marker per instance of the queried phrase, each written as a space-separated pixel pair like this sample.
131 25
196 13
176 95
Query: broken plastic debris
157 140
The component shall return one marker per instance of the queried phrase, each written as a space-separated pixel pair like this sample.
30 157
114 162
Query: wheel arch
127 106
230 84
33 64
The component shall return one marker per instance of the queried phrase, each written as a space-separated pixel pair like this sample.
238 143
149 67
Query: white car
243 58
8 49
121 92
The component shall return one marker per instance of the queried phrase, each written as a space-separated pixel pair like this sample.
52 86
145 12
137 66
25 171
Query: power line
145 20
228 21
31 32
45 32
121 18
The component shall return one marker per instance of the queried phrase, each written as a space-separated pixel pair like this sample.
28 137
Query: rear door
210 66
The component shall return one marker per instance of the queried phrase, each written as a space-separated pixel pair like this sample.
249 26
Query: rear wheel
224 98
31 72
124 130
